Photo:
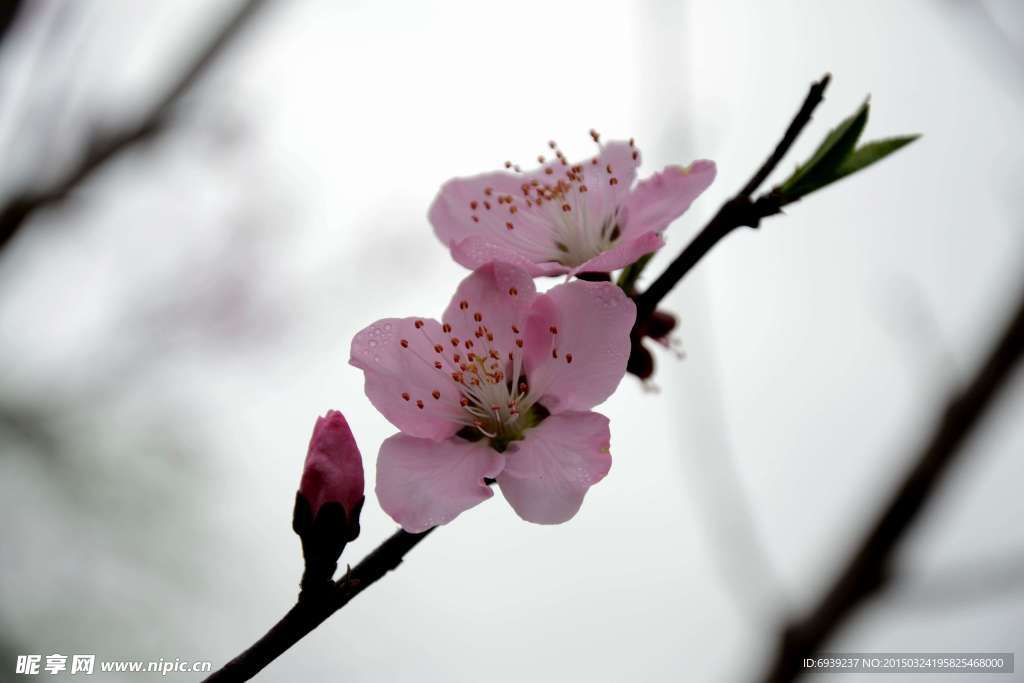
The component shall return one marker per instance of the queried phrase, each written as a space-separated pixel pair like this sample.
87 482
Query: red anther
405 395
419 404
404 343
436 394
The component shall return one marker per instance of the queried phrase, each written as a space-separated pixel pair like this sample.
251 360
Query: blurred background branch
108 142
868 568
9 12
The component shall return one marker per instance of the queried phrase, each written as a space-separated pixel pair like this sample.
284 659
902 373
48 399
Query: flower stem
313 608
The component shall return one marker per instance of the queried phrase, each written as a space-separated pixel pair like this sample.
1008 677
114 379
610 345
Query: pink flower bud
334 467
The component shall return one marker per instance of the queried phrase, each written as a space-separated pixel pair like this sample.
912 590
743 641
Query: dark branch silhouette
313 607
106 145
740 210
9 12
868 568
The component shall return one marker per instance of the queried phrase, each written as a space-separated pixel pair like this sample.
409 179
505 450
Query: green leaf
631 273
817 171
871 152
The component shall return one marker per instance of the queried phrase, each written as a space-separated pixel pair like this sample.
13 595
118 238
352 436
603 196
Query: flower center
480 385
557 215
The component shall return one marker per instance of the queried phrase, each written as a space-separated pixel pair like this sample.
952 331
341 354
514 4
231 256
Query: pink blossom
566 218
334 468
500 389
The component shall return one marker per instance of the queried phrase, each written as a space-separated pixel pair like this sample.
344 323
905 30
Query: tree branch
314 607
740 210
106 145
9 12
868 567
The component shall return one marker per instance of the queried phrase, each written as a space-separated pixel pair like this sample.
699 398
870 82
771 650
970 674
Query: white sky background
818 348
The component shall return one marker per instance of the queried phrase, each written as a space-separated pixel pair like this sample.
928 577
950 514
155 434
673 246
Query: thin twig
107 145
740 210
313 608
868 567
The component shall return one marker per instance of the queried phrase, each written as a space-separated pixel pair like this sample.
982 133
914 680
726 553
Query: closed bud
660 325
330 497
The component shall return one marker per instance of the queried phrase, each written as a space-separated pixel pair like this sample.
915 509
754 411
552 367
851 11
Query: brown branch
313 608
868 567
107 145
740 210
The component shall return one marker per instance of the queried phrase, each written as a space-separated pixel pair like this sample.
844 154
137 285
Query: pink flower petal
475 251
663 197
493 299
577 344
464 209
547 474
604 195
401 379
423 483
622 254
